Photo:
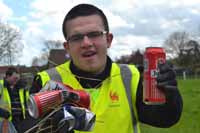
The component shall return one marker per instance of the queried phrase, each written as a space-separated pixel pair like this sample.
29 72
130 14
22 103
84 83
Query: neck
84 77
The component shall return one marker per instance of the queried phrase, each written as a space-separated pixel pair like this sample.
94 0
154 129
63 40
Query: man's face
13 78
89 53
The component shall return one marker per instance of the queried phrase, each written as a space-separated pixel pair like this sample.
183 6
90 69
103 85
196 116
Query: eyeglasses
94 35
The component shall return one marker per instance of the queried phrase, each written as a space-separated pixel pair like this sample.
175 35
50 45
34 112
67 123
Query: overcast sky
136 24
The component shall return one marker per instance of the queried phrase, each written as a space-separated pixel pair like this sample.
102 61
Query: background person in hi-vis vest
13 98
88 38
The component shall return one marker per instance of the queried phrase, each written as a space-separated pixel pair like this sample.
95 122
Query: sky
136 24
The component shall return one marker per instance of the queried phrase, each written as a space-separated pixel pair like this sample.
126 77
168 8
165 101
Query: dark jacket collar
6 83
91 83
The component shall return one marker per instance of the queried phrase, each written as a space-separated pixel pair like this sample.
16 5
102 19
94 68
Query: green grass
190 119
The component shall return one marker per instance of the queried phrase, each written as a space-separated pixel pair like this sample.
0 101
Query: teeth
88 54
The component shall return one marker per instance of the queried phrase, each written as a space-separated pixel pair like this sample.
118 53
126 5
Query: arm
36 84
164 115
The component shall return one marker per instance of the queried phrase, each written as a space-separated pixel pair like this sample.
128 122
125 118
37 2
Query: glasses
78 38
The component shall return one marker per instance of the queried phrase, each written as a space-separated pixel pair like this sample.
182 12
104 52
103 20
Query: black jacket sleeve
4 113
21 83
36 84
164 115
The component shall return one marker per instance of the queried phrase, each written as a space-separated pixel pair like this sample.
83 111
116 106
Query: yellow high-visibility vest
109 102
5 101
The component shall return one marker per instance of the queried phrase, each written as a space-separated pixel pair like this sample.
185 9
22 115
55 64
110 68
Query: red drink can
152 57
42 102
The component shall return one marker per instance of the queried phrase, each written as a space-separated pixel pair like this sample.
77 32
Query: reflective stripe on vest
54 75
111 82
21 96
126 77
50 74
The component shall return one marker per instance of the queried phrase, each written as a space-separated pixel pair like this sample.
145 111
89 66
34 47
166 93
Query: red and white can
53 95
152 57
42 102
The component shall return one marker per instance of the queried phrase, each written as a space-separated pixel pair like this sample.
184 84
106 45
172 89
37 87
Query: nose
86 42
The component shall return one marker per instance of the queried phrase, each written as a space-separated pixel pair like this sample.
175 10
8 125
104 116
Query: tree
10 44
52 44
194 46
40 60
48 45
190 56
136 57
176 43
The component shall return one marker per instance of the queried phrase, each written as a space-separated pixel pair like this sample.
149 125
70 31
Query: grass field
190 119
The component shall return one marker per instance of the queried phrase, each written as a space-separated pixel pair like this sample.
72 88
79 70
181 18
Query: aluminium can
152 57
42 102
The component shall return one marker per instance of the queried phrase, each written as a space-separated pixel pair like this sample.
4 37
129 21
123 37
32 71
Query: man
13 98
87 35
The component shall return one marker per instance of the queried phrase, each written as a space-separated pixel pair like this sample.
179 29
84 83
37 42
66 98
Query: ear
109 39
66 46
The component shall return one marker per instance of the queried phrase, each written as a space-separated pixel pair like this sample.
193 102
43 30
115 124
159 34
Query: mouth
88 54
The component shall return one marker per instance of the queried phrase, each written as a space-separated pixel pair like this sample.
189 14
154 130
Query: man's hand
166 81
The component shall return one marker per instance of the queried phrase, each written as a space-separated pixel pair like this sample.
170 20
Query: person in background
13 99
87 35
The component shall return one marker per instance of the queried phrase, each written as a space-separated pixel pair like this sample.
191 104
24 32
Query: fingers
163 68
79 114
168 89
167 83
168 75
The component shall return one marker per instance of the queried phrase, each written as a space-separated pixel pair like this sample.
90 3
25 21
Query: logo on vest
114 96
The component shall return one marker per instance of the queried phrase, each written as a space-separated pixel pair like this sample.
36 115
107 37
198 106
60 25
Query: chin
93 69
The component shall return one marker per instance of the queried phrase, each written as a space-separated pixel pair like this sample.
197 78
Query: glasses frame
77 38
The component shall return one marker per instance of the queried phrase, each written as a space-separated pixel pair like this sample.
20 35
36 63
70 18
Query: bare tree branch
176 42
10 44
43 58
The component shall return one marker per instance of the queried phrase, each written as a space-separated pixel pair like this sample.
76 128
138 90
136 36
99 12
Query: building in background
57 57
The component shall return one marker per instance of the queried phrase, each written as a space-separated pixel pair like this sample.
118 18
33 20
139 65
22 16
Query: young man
13 98
87 35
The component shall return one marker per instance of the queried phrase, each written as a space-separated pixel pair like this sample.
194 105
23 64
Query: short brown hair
11 70
84 10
